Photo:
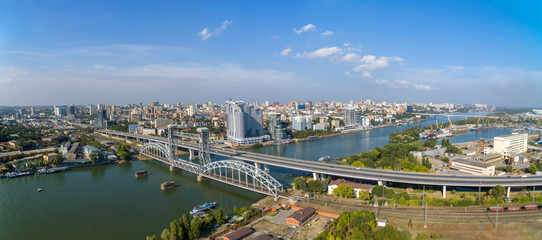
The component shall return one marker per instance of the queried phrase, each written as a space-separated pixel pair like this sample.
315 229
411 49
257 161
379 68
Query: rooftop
302 215
351 184
472 163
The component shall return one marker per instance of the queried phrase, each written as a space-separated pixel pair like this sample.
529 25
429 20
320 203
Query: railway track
443 214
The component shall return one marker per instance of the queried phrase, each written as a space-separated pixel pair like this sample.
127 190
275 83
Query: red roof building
300 216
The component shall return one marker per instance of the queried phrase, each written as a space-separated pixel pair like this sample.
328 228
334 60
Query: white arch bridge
232 172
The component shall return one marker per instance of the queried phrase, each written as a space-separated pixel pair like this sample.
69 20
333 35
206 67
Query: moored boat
202 207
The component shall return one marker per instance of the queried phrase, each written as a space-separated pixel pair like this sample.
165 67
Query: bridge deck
351 172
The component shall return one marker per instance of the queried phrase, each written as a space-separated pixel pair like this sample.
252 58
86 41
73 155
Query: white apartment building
507 145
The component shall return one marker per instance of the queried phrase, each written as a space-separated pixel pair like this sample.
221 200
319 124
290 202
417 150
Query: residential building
509 144
300 216
61 111
302 122
275 127
244 123
162 122
352 117
356 187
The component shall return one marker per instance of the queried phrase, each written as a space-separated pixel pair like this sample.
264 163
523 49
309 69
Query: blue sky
60 52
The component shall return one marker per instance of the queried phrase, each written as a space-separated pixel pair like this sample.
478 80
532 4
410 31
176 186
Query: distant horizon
63 51
261 102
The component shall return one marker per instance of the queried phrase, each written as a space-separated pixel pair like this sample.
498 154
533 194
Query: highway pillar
508 192
443 191
315 176
381 183
173 168
201 178
257 165
323 176
266 167
192 154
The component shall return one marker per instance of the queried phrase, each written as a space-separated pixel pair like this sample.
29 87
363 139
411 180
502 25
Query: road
351 172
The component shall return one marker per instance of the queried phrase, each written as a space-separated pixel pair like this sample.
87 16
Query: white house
356 186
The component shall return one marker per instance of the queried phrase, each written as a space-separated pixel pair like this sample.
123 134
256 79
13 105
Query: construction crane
452 127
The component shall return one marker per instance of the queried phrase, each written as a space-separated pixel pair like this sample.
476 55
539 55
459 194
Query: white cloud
327 33
207 32
225 24
308 27
275 37
320 53
204 34
371 62
381 81
350 57
405 84
285 52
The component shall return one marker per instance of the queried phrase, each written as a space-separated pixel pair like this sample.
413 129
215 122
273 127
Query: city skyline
431 51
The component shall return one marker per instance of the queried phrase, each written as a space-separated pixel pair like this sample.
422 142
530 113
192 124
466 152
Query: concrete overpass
379 175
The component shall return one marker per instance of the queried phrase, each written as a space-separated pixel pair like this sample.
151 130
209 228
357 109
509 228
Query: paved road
352 172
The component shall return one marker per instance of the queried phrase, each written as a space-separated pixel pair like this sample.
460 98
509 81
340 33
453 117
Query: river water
107 202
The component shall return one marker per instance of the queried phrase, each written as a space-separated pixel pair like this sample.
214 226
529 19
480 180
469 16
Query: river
107 202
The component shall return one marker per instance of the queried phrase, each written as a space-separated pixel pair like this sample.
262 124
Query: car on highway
523 176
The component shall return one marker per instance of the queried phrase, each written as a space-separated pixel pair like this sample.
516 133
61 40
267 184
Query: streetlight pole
479 190
497 218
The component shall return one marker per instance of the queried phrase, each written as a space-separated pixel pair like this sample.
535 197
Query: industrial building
472 167
300 216
239 234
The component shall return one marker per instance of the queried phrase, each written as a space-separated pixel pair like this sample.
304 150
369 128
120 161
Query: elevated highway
378 175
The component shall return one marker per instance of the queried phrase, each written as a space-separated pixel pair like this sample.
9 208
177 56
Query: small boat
39 189
202 207
324 159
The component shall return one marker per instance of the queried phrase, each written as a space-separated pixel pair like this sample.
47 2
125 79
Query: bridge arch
157 151
240 173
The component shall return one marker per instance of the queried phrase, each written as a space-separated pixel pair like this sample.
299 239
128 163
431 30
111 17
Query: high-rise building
32 110
302 122
61 111
352 117
191 111
135 115
101 119
275 127
244 123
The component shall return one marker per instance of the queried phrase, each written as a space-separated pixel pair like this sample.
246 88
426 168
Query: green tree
96 156
184 223
194 229
153 237
390 233
175 229
364 195
166 234
344 191
497 192
123 155
314 186
56 159
300 183
220 216
446 160
426 163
